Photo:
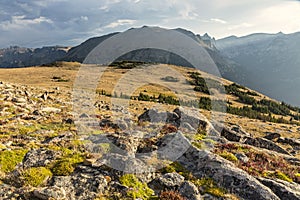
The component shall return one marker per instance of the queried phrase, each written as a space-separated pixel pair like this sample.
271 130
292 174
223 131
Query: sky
36 23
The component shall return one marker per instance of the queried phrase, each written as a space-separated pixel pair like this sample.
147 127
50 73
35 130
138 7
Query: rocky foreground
43 156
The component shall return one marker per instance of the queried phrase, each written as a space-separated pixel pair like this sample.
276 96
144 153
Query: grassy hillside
43 153
244 104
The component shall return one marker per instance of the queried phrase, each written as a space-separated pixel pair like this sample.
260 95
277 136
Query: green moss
199 145
27 129
228 156
56 127
10 158
2 146
63 168
177 167
209 186
199 137
283 176
66 165
36 176
137 188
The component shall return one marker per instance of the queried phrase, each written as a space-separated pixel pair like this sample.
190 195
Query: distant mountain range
268 63
23 57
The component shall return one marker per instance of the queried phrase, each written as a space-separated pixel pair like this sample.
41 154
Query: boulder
172 146
51 110
186 118
81 186
191 116
19 100
50 193
231 135
39 158
264 143
154 116
169 181
189 191
282 189
290 141
272 136
206 164
126 163
242 157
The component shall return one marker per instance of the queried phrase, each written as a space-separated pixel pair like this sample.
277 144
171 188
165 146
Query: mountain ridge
16 56
271 62
258 60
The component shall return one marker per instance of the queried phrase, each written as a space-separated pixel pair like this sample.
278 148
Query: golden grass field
112 78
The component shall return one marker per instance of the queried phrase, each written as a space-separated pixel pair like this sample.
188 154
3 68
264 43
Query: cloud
18 22
41 22
218 20
120 22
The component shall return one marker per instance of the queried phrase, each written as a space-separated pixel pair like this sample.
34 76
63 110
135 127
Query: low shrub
66 165
36 176
170 195
208 185
137 189
10 158
283 176
228 156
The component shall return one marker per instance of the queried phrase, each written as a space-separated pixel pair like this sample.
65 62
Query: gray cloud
66 22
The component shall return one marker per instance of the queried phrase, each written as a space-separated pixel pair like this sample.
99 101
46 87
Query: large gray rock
237 135
193 117
154 116
39 158
172 146
82 185
186 118
127 163
290 141
272 136
189 191
283 189
264 143
50 193
169 181
231 135
206 164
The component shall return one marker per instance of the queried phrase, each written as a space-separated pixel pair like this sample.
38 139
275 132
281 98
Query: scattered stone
84 115
51 110
44 96
69 121
19 100
242 157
